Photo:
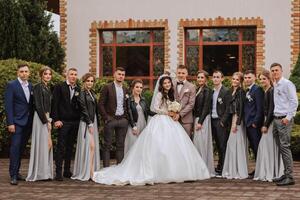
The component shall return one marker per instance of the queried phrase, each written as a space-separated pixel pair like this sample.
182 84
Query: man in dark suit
253 111
18 108
220 117
112 107
66 116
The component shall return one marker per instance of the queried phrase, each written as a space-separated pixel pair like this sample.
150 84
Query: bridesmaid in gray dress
202 128
138 112
268 164
87 157
235 164
41 152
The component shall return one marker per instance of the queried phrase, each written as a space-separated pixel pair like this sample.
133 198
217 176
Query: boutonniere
31 93
248 96
126 96
220 100
76 94
186 90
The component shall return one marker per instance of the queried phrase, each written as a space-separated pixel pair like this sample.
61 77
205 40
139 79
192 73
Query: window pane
158 60
192 59
248 57
107 61
159 35
133 36
107 37
224 58
135 60
192 35
220 35
249 34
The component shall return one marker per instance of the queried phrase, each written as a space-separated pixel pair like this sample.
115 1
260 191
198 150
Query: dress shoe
20 177
286 181
276 180
68 174
59 177
14 181
251 175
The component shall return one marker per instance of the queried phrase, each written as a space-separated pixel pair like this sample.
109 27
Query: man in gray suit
185 94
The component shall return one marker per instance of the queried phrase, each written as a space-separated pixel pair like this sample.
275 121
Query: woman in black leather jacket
87 157
267 148
202 128
138 112
41 153
235 163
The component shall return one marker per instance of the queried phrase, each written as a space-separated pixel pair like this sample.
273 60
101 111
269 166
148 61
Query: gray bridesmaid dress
141 124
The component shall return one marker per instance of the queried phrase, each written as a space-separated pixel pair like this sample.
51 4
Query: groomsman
220 117
112 108
286 103
19 114
185 94
66 115
253 111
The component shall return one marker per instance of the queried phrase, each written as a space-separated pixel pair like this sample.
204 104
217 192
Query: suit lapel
66 90
184 87
113 88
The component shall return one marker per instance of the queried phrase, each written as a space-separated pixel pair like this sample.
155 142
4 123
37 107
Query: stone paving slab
212 189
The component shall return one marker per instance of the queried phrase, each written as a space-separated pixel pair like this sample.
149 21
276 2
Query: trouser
254 135
65 144
119 127
282 135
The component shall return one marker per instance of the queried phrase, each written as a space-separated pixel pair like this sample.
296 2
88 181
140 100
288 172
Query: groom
185 94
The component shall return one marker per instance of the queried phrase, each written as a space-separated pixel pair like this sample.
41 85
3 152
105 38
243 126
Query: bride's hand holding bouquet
173 110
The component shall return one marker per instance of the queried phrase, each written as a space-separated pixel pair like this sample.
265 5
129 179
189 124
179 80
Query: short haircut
203 72
275 64
218 71
43 69
122 69
249 71
86 76
136 81
182 67
72 69
22 65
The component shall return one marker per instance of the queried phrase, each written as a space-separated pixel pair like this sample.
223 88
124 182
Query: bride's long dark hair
166 95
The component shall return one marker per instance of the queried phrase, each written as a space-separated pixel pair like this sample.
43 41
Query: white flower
248 96
174 106
76 94
220 100
186 90
126 96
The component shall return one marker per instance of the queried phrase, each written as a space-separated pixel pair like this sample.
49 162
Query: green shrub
295 142
295 76
8 71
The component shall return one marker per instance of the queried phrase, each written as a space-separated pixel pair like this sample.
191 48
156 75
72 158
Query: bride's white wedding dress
163 153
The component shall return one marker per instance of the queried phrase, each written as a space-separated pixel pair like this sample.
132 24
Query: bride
163 152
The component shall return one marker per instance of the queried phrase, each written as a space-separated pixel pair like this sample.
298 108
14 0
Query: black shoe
20 177
14 181
251 175
286 181
59 178
68 174
276 180
218 171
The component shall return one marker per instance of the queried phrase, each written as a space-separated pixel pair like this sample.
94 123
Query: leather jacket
202 106
268 107
88 106
42 101
237 104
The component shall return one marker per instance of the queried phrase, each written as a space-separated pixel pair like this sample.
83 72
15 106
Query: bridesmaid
268 164
41 152
235 164
138 112
87 157
202 129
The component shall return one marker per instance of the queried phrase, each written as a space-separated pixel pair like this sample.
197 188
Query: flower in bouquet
174 106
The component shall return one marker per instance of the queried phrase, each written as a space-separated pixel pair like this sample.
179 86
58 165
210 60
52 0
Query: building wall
276 15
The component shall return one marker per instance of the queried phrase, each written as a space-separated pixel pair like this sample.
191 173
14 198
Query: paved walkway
209 189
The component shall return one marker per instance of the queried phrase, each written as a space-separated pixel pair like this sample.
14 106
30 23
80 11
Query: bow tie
72 87
180 83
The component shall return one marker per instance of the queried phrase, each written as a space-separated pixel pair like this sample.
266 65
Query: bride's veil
155 92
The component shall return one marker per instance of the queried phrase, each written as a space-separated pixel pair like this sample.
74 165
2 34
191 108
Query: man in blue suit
253 111
18 108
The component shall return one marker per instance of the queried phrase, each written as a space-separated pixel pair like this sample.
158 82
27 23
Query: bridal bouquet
174 106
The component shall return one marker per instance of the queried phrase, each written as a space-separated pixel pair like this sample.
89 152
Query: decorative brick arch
127 24
225 22
295 34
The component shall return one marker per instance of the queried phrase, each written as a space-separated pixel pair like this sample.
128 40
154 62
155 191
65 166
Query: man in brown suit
185 94
112 108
